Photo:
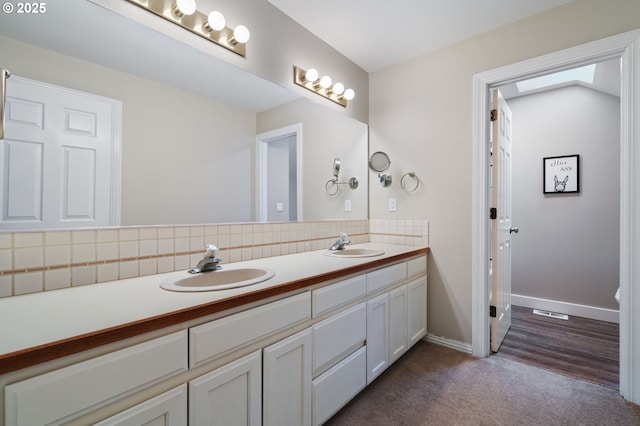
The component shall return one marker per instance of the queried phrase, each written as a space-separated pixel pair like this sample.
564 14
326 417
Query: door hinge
493 213
492 311
494 114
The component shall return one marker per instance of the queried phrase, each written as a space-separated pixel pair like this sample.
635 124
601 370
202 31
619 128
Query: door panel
501 225
58 158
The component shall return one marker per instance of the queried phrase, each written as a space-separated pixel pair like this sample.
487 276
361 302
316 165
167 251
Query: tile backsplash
32 262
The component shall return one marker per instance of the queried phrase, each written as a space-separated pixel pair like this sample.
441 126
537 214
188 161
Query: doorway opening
621 46
554 264
279 174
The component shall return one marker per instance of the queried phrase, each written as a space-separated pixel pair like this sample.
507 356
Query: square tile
6 260
83 275
165 264
165 232
28 258
128 234
108 272
81 253
6 285
148 247
6 241
28 239
28 283
107 235
128 249
57 255
107 251
83 237
147 267
149 233
128 269
57 238
55 279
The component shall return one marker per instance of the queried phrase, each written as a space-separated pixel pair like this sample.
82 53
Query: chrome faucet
341 243
209 262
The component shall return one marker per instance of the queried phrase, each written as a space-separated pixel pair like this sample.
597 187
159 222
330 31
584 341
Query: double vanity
285 340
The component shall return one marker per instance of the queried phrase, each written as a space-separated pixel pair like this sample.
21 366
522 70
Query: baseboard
592 312
449 343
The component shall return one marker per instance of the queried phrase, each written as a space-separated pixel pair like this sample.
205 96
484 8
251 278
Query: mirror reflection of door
279 179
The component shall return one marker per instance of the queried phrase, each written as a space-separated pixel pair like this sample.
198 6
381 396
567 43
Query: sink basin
354 252
222 279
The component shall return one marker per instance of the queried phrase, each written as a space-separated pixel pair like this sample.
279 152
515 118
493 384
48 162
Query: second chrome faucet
209 262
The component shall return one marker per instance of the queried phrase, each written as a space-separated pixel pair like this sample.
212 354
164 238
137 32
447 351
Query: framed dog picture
561 174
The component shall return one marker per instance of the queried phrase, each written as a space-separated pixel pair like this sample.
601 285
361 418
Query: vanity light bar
185 14
323 86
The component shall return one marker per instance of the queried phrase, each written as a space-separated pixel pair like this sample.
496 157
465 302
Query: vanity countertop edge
41 327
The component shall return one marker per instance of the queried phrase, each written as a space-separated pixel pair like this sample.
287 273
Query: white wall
567 249
421 114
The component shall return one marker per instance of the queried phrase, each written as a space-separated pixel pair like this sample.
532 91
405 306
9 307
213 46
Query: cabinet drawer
218 337
333 389
335 335
386 277
338 294
417 267
167 409
71 391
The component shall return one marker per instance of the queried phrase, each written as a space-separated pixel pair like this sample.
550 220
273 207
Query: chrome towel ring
410 181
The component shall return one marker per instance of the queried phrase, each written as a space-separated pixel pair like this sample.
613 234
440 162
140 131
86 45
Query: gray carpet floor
434 385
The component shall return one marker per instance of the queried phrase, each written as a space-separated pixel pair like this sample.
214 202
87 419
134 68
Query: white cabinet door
417 296
398 336
287 381
228 396
167 409
377 336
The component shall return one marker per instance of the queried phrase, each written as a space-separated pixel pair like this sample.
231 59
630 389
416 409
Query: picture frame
561 175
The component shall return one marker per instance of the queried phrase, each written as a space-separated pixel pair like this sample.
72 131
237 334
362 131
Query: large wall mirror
189 120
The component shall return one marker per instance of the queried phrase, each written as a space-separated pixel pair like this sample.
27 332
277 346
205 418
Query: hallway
582 348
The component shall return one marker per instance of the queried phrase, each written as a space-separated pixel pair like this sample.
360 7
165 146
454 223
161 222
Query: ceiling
377 34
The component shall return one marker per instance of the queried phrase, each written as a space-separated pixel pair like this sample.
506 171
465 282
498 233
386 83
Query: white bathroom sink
222 279
354 252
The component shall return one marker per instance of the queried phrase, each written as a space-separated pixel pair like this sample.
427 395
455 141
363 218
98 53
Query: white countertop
37 319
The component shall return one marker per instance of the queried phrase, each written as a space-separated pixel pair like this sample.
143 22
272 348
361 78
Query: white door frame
627 47
262 140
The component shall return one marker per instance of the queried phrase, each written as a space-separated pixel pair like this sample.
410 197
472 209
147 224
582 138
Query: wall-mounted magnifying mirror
336 167
379 162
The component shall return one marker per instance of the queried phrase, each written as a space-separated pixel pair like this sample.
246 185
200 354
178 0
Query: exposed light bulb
325 82
240 35
349 94
338 88
185 7
311 75
215 21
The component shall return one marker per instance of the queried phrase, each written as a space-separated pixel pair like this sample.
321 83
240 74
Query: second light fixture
323 86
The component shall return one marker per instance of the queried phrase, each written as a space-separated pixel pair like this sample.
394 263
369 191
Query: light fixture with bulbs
323 86
211 26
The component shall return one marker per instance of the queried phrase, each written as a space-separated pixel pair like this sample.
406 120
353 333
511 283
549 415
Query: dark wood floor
579 347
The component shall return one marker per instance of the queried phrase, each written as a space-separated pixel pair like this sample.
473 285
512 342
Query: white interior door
60 158
501 227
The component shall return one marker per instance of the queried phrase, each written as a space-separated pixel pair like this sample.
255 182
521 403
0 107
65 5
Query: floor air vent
550 314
